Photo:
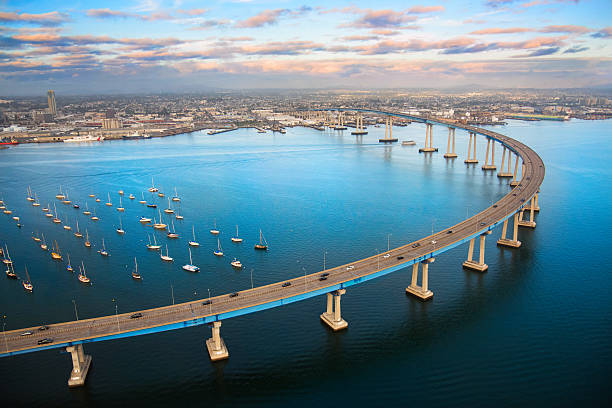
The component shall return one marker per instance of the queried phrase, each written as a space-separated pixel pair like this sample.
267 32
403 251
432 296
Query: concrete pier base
80 366
428 149
528 224
421 292
514 183
357 133
503 175
471 161
489 167
508 243
479 265
332 316
388 140
475 266
514 242
215 345
450 155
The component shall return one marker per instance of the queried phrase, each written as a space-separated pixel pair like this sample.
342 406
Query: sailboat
10 272
7 257
92 195
131 197
178 216
61 195
176 197
109 203
236 264
94 217
86 212
263 244
120 192
219 251
153 247
46 209
153 189
82 275
68 266
87 243
169 210
143 201
43 246
55 252
36 203
98 199
236 238
66 200
55 219
29 196
103 251
145 220
78 233
35 237
190 267
194 243
7 211
159 225
120 208
172 234
120 229
135 273
215 231
160 194
67 227
27 284
166 257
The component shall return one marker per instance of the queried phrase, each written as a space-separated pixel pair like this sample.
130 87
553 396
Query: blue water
535 329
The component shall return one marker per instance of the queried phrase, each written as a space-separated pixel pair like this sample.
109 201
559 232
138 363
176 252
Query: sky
94 47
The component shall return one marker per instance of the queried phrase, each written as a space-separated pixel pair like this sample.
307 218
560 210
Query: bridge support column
514 242
422 292
536 207
215 345
514 181
501 168
449 154
471 160
332 316
80 365
491 166
531 223
428 140
479 266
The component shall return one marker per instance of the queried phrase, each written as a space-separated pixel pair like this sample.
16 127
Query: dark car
416 245
41 328
399 258
482 224
494 205
136 316
322 278
234 294
45 341
324 274
449 231
207 302
286 284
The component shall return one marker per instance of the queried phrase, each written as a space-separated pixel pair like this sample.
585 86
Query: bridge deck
273 295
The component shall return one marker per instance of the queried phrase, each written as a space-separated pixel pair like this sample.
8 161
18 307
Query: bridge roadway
273 295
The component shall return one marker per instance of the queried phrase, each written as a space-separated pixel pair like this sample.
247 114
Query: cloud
511 30
603 33
266 17
193 12
382 19
208 24
384 32
108 13
570 29
359 38
53 18
540 52
425 9
575 49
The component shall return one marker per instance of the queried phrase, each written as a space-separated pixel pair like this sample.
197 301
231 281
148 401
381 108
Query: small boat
263 244
215 231
86 212
236 238
35 237
120 192
2 207
408 143
109 203
16 218
131 197
120 230
194 243
166 257
94 217
55 252
66 200
46 209
36 203
159 225
49 215
143 201
178 216
76 206
172 234
68 266
61 195
176 197
87 243
27 284
29 196
103 251
92 195
67 227
82 275
153 247
152 205
7 211
169 210
236 264
219 251
190 267
97 200
120 208
55 219
7 257
145 220
153 189
135 273
10 272
43 246
78 233
160 194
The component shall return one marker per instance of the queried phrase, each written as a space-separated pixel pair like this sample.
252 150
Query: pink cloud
193 12
425 9
511 30
108 13
266 17
382 19
576 29
51 18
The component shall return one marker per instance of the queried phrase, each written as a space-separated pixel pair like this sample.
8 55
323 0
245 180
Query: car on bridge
45 341
136 316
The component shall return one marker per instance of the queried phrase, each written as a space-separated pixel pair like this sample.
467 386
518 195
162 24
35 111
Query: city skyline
151 46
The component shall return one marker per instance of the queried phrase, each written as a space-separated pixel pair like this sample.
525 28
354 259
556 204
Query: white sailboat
36 203
219 251
153 247
94 217
120 230
135 273
153 189
236 264
194 243
169 210
176 197
236 238
43 246
55 219
27 284
172 234
109 203
215 231
143 201
87 243
103 251
159 225
166 257
190 267
29 194
78 233
68 266
120 208
86 212
82 275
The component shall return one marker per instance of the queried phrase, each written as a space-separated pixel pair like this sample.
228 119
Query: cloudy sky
184 45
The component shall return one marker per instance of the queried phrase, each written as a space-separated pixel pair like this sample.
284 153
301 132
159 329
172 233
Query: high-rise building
51 100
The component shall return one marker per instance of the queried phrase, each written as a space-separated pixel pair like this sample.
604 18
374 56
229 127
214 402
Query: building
111 123
51 100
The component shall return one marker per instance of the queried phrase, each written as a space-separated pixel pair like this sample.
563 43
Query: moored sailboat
154 246
78 233
135 273
153 189
10 272
176 197
166 257
68 266
43 246
87 243
236 264
194 243
120 208
27 283
190 267
55 252
103 251
169 210
172 234
215 231
82 275
219 251
109 203
236 239
263 244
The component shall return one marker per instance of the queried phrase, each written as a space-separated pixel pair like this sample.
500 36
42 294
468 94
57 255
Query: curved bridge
74 334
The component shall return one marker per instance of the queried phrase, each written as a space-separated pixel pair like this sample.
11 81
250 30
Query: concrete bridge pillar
536 207
491 166
332 316
80 365
359 126
508 173
422 292
531 223
514 181
514 242
449 154
479 266
471 160
388 131
215 345
428 140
